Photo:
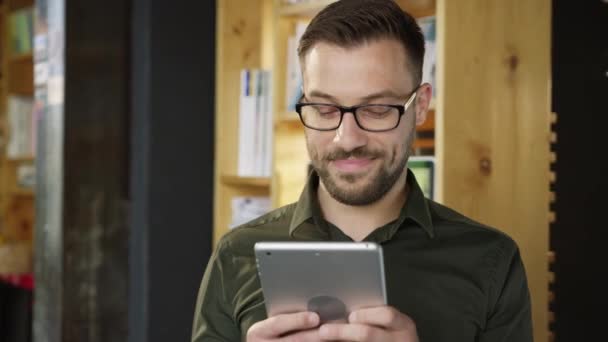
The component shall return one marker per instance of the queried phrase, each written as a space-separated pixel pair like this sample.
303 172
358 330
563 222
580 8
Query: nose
349 135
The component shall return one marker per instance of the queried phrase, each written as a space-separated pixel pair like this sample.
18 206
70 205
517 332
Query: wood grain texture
493 128
291 163
21 76
238 46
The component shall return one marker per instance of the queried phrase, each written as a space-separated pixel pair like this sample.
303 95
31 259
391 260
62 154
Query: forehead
355 72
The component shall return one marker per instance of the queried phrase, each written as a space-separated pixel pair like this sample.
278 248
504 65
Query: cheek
318 141
394 145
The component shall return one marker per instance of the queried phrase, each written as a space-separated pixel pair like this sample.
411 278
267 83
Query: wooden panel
291 163
23 58
17 4
418 8
492 138
16 258
19 219
21 79
238 46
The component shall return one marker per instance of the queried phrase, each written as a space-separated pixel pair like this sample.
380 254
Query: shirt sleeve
213 317
509 315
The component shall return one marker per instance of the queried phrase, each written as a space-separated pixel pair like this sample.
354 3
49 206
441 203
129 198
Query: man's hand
374 324
301 327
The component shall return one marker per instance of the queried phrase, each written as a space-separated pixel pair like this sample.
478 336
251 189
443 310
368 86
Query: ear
423 101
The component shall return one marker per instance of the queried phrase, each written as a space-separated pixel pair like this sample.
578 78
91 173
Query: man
448 278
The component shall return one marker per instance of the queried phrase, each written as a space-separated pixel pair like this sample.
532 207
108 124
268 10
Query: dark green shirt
457 279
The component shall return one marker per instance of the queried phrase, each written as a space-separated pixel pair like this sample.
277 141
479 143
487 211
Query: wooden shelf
23 193
15 5
424 143
22 58
417 8
429 124
20 76
305 9
258 182
26 159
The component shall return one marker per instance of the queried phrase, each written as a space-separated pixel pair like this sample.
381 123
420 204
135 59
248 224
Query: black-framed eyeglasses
369 117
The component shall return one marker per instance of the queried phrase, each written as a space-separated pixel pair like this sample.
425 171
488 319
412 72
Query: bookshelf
17 160
488 127
232 180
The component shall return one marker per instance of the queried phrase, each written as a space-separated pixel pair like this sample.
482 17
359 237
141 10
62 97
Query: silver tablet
330 278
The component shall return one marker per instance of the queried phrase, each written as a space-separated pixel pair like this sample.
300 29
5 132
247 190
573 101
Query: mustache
360 152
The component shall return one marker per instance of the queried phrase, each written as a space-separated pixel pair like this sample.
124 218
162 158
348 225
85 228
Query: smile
352 164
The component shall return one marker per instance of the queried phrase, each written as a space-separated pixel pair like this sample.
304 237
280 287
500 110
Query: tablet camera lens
268 253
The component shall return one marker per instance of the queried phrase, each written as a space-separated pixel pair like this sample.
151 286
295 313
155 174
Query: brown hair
349 23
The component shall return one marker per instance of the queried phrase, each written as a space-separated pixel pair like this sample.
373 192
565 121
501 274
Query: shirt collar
306 205
416 207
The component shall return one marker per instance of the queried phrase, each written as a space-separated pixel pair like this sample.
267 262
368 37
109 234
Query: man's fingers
279 325
350 332
311 335
382 316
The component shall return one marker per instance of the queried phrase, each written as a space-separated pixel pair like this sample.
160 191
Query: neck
359 221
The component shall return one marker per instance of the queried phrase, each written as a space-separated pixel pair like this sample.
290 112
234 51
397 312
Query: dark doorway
580 99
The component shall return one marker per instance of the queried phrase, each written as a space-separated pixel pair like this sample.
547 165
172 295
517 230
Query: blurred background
134 134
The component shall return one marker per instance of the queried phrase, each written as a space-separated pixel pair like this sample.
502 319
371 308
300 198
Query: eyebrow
367 98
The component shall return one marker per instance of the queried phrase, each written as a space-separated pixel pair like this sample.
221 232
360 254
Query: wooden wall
493 134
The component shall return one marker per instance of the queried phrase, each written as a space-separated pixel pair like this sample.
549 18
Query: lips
352 164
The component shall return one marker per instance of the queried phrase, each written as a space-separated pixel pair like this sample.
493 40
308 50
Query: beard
381 181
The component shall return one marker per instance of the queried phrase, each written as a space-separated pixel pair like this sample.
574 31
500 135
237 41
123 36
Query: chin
352 179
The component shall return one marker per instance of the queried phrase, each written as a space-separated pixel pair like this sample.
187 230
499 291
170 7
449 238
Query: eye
326 110
376 111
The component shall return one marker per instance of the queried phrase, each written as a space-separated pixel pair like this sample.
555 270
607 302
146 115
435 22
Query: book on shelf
245 209
429 30
26 176
22 127
255 124
293 81
21 27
